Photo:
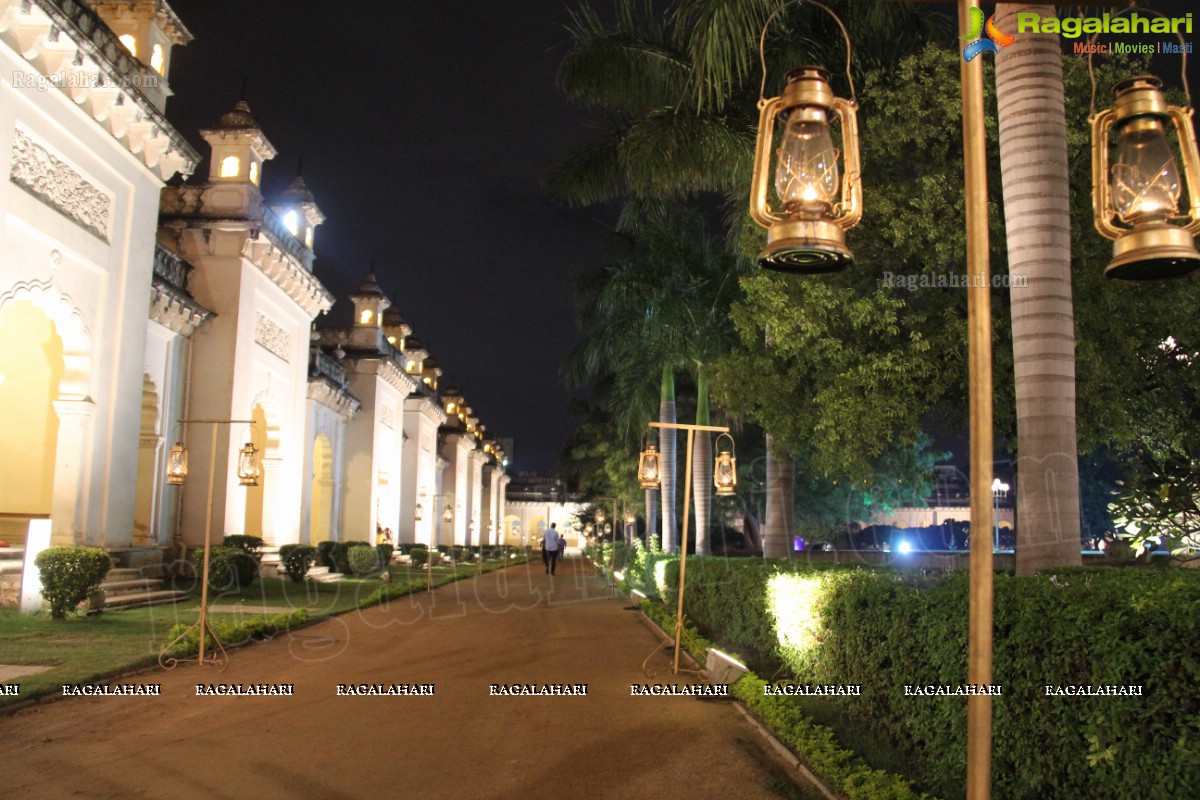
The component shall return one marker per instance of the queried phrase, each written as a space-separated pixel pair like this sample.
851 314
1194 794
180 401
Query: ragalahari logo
996 37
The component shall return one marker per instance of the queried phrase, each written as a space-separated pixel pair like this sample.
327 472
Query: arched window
292 222
157 59
230 167
130 43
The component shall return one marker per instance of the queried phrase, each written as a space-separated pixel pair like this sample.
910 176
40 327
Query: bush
419 556
69 575
362 559
229 568
250 545
341 555
384 553
325 554
884 629
296 560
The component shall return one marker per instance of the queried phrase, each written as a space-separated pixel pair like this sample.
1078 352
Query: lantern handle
717 443
762 57
1091 51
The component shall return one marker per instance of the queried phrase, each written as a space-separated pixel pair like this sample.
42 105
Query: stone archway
47 371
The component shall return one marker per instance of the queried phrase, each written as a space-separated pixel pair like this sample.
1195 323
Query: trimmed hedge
69 575
297 559
252 545
229 568
884 629
362 559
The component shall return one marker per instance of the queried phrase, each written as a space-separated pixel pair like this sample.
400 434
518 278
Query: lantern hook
762 57
1091 51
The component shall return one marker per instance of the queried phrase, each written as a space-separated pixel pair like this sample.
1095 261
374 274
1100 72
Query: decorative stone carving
58 185
270 335
387 416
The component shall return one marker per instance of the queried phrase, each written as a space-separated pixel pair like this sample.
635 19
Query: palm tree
1033 159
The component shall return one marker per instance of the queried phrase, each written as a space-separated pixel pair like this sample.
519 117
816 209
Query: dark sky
426 128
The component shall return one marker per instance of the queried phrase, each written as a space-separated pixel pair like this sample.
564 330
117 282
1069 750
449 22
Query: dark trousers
550 559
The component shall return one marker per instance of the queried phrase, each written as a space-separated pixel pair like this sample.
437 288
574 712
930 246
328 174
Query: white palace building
128 305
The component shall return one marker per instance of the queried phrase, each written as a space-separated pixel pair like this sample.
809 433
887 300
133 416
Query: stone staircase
269 566
129 588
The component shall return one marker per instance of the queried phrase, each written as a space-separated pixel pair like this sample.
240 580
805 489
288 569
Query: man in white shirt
550 548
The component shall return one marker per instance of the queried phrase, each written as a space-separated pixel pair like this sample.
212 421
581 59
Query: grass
94 648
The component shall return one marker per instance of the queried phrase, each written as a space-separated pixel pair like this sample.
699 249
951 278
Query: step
11 566
141 599
114 588
121 574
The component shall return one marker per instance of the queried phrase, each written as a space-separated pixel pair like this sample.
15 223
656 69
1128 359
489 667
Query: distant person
550 548
562 547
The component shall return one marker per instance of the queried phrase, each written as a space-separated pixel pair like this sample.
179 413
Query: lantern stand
979 382
600 520
1133 201
687 500
445 515
248 472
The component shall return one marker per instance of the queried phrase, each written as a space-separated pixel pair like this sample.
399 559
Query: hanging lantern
818 200
725 468
648 469
418 512
176 464
447 514
599 518
247 468
1135 197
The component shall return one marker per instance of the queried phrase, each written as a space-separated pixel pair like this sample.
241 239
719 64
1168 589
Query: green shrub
251 545
232 632
69 575
384 553
297 559
229 568
419 556
884 629
325 554
341 555
362 559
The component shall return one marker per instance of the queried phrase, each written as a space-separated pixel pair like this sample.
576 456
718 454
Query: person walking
550 547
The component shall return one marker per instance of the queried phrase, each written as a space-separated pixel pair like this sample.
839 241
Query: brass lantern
725 468
1135 196
247 468
818 200
176 464
418 512
599 518
648 468
447 514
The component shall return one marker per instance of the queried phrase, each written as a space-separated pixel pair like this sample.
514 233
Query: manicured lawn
88 649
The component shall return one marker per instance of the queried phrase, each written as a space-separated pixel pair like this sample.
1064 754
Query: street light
999 489
1135 200
248 473
979 369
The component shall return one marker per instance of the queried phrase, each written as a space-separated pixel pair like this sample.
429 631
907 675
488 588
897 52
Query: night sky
426 129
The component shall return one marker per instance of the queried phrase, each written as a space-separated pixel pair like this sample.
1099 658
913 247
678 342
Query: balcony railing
322 365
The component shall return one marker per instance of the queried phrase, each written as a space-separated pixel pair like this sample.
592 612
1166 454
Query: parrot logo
996 37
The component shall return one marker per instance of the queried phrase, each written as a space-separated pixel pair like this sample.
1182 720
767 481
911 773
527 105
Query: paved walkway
515 626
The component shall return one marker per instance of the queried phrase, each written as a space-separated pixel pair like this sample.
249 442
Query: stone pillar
68 506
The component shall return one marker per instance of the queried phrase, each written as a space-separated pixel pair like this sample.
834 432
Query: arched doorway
31 372
320 523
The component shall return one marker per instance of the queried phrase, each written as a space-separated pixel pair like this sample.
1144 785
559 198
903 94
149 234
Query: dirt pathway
515 626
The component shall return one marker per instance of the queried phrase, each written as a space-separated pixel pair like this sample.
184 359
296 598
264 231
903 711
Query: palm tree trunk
666 447
781 491
702 467
1033 163
651 516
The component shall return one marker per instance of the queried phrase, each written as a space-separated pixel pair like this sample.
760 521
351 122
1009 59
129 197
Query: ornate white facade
134 315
